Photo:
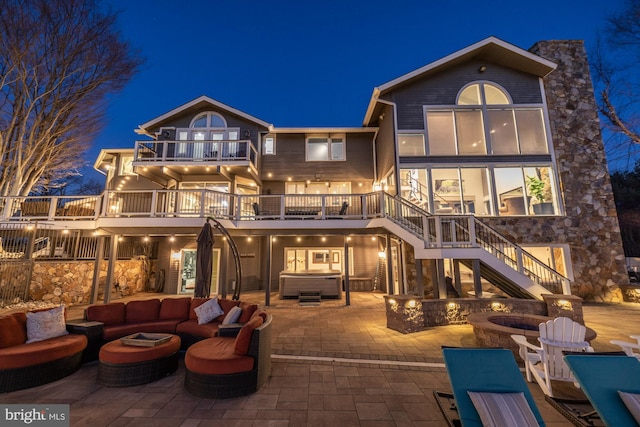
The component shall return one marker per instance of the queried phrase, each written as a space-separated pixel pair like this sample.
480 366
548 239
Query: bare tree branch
614 63
58 61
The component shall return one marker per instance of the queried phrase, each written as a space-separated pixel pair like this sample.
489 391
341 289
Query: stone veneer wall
69 282
590 225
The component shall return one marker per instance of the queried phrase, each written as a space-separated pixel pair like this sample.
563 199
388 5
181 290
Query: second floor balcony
166 153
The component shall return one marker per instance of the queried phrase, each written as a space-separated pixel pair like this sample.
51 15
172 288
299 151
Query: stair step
309 298
309 303
308 293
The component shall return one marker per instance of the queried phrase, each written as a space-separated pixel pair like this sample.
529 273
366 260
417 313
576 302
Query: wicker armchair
220 386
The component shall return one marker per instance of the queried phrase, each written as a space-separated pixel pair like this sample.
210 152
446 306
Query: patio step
309 298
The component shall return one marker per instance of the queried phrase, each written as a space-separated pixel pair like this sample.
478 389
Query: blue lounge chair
601 377
487 371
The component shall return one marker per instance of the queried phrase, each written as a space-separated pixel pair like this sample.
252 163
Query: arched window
208 120
483 93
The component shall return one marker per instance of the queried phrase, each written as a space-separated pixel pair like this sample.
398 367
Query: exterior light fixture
175 256
482 69
382 254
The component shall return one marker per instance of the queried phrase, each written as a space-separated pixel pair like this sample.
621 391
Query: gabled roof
491 49
142 129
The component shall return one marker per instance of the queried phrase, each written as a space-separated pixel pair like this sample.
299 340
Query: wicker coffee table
126 365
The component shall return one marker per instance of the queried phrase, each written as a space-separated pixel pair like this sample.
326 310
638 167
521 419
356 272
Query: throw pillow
208 311
243 340
632 402
232 316
503 409
43 325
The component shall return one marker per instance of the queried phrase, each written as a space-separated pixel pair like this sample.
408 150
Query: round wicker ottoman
125 365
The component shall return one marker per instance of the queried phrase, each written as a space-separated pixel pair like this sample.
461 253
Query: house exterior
482 173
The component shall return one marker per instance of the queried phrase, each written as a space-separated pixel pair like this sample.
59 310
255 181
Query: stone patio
332 365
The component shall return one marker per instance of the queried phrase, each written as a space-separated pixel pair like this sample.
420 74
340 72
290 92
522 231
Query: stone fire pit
495 329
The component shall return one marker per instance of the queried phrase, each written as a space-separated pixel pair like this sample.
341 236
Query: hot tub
327 282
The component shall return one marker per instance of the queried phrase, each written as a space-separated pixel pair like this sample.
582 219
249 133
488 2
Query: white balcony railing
434 231
150 152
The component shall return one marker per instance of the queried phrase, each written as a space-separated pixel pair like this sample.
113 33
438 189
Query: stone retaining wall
407 313
70 282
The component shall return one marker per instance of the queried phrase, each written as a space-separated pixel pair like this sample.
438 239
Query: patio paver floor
333 365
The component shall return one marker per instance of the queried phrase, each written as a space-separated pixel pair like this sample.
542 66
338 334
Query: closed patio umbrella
203 261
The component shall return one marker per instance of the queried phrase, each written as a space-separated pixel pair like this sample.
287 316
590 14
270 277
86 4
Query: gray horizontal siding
289 160
442 89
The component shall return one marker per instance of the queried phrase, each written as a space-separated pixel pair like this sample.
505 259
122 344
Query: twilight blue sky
310 63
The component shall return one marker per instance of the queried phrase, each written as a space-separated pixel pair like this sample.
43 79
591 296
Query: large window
485 122
487 191
329 187
411 144
322 148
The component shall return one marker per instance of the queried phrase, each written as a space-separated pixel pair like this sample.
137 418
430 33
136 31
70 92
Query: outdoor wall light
249 239
411 303
498 306
247 134
482 69
392 301
563 304
172 238
146 238
452 305
382 254
175 256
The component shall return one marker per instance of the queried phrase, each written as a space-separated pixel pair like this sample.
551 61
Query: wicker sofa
171 315
235 364
24 365
228 366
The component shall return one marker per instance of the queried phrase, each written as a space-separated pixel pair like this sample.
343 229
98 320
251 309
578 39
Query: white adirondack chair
545 362
629 348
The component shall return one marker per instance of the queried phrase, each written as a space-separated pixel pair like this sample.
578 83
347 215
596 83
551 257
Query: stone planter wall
70 282
407 313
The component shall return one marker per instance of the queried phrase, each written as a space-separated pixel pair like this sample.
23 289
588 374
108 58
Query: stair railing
460 231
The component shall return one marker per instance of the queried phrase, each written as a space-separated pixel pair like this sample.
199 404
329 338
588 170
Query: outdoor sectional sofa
28 364
171 315
221 361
